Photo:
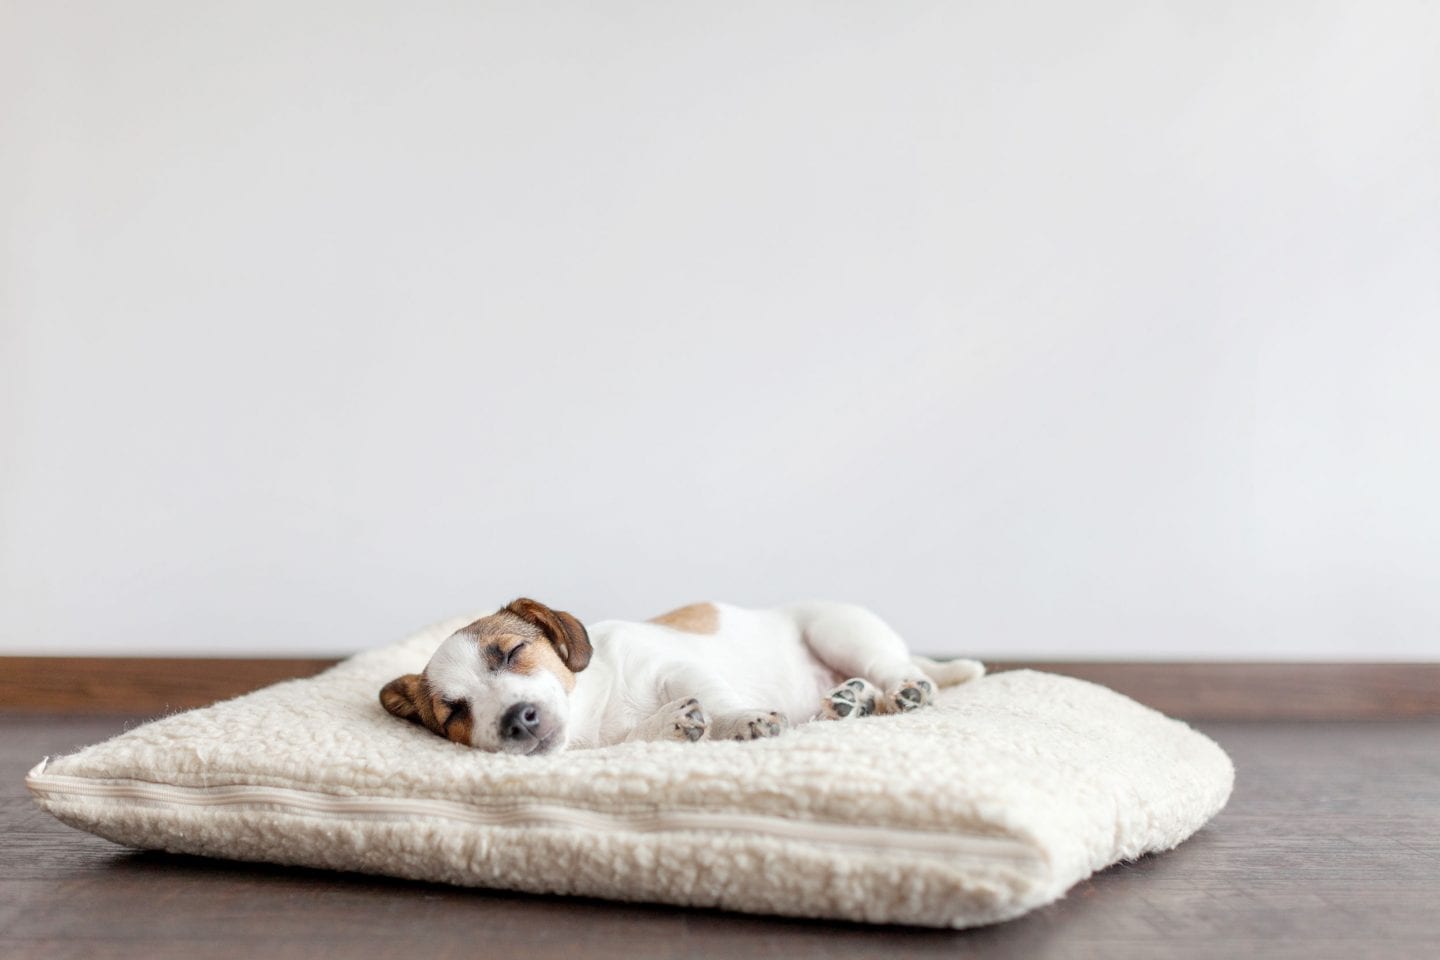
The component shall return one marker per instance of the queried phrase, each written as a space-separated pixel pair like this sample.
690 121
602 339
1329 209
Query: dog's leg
682 719
857 644
731 718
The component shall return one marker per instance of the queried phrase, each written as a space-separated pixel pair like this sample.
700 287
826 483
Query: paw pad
853 698
768 725
690 721
912 694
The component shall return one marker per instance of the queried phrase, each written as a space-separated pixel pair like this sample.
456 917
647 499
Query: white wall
1043 328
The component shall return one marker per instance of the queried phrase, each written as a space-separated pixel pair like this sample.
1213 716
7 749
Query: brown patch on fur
458 723
566 633
402 696
494 655
497 634
410 698
543 656
694 618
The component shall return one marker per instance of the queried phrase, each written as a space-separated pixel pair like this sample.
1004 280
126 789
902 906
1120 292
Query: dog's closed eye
514 655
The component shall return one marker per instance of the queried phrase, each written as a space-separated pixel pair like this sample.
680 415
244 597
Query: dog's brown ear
401 696
565 633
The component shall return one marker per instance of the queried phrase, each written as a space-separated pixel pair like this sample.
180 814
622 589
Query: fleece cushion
992 802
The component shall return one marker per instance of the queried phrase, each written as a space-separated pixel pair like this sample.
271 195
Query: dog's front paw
689 721
748 725
911 694
856 697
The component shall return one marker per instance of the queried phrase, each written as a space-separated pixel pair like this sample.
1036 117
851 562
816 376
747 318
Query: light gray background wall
1041 327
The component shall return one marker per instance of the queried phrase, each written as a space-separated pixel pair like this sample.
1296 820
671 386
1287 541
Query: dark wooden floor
1330 848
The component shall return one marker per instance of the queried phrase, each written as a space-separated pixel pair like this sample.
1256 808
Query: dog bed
991 803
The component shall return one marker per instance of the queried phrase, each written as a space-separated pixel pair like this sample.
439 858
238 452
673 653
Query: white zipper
927 843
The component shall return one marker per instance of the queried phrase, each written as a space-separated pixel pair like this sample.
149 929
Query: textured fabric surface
991 803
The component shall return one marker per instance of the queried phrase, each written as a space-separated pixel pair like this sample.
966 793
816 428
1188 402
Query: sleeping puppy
532 680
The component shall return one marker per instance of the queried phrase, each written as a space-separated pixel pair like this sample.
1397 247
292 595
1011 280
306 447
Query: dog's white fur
751 674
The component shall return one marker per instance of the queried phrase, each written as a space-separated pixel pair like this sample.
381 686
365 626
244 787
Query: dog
531 680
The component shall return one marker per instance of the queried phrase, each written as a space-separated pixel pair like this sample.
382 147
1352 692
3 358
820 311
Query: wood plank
1200 691
142 685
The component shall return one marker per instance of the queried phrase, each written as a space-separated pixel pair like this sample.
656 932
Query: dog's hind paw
749 726
854 698
690 722
911 695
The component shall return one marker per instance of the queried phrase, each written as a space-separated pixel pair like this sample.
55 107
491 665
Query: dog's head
500 684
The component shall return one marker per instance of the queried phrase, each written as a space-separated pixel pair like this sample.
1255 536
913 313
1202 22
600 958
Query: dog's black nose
520 722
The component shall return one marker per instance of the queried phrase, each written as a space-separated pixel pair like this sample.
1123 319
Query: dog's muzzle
523 729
